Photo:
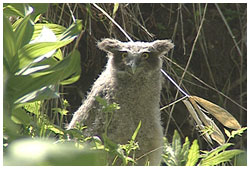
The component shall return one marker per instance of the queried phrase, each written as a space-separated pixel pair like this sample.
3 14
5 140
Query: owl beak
133 67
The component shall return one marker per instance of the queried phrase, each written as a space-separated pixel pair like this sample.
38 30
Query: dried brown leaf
218 112
196 119
216 135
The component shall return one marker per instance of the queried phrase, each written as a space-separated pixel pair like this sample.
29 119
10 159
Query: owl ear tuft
162 46
109 45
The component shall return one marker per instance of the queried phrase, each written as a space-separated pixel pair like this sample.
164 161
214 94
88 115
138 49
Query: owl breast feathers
132 79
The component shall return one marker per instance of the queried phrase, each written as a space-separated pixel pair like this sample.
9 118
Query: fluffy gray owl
132 79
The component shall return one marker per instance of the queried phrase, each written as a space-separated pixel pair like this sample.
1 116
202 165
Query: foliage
176 154
34 67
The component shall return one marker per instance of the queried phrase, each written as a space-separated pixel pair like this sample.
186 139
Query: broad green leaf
193 154
217 150
57 29
19 116
32 51
47 92
220 158
72 31
52 75
39 8
23 9
24 32
9 46
14 9
75 66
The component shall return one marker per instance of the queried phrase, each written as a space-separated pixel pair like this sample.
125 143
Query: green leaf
136 131
23 9
33 107
74 66
176 145
24 32
58 30
227 133
72 31
217 150
193 154
116 6
47 92
238 132
184 151
39 8
14 9
55 129
9 46
220 158
32 51
19 116
50 76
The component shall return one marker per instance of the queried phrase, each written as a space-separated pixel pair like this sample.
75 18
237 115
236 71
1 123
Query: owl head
135 57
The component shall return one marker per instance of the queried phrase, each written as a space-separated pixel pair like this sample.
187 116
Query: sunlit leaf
9 46
193 154
72 31
32 51
57 29
116 6
219 155
136 131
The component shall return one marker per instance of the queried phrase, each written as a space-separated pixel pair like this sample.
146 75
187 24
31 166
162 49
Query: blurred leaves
38 152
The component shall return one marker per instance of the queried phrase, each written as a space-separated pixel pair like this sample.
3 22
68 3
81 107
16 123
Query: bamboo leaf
197 119
218 112
216 134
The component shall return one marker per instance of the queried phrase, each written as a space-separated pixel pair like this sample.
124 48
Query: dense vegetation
51 60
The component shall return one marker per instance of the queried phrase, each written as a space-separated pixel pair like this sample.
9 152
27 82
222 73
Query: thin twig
112 20
207 85
229 29
187 65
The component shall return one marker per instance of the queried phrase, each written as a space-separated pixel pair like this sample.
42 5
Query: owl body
132 79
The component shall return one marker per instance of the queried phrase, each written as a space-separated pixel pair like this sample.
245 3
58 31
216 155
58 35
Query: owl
132 79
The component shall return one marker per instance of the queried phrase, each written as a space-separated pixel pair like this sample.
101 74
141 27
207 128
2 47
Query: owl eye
145 55
124 55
